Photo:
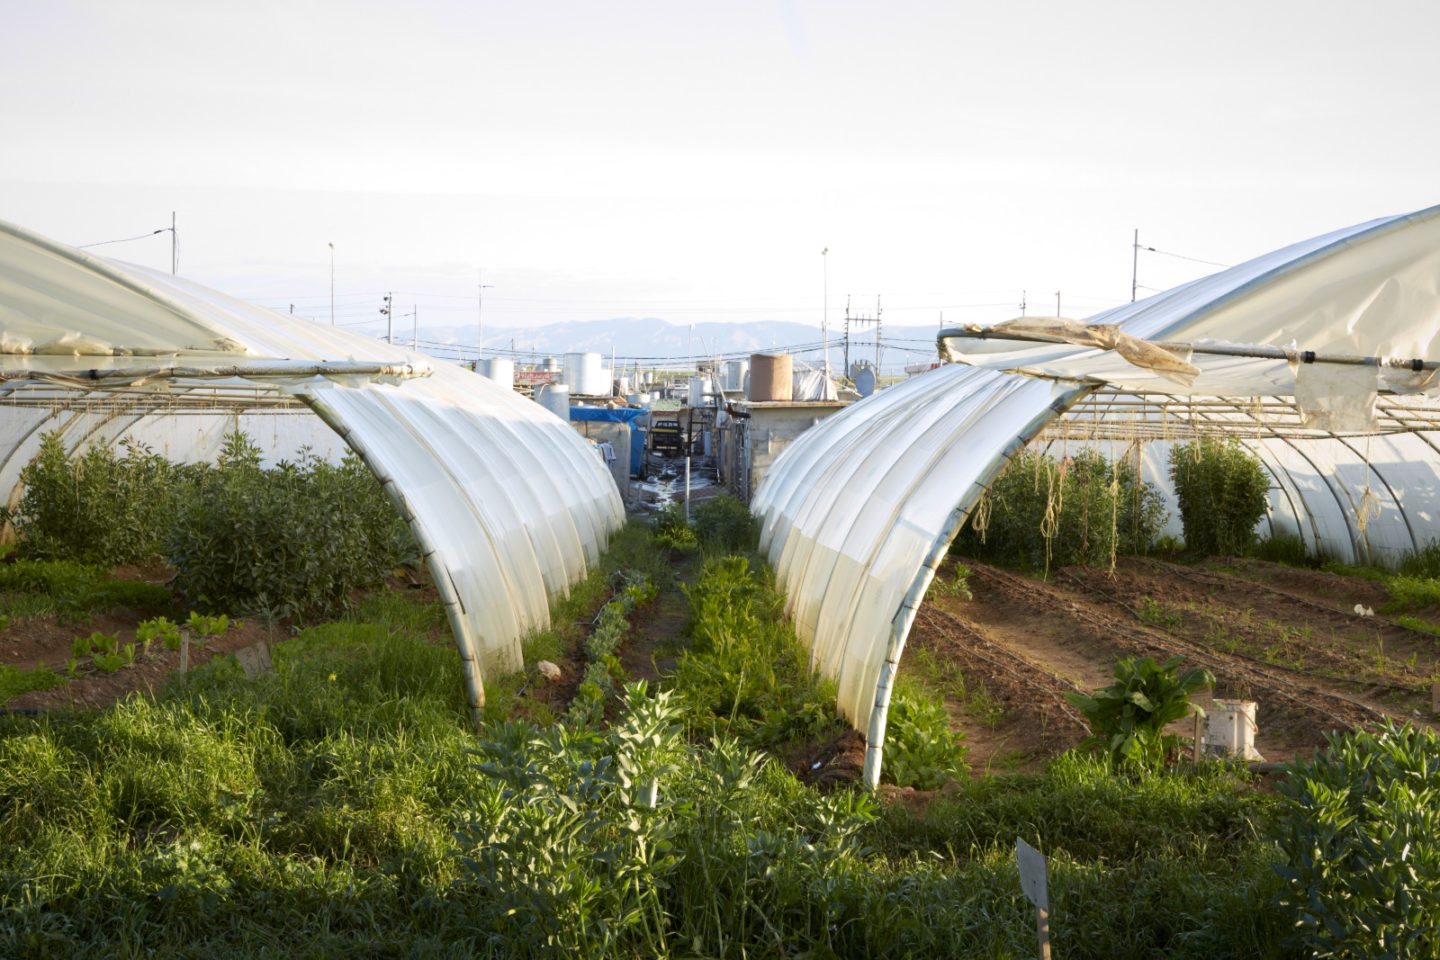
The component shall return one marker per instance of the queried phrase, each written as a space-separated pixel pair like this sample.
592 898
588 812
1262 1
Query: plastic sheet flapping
509 503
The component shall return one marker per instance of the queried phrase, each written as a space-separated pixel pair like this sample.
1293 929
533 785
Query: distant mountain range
652 342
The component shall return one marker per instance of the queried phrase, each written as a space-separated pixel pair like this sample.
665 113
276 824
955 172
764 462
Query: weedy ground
344 805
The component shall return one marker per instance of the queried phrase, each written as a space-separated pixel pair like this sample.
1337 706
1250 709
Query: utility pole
1134 264
388 312
415 330
174 246
1057 303
1022 303
480 318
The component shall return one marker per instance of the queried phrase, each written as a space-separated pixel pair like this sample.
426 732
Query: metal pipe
1258 351
274 369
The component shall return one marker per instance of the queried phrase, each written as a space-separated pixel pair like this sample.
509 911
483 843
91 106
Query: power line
102 243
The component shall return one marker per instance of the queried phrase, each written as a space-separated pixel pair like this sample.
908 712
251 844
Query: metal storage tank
698 388
499 369
555 397
584 376
865 381
735 372
771 377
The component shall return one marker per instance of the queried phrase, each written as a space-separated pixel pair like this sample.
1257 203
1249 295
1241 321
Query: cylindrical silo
555 397
771 377
499 369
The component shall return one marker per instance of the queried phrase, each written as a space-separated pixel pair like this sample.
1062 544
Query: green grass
14 681
38 588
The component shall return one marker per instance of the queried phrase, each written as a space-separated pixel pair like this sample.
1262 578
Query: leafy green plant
207 627
1359 830
672 530
603 669
1128 717
160 628
108 662
104 643
920 749
957 587
1221 489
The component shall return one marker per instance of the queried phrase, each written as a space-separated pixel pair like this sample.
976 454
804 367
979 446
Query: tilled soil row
1242 673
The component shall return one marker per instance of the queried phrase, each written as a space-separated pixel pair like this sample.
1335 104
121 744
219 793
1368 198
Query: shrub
1128 718
1359 828
94 507
1287 550
295 540
1221 489
725 523
1422 564
1077 510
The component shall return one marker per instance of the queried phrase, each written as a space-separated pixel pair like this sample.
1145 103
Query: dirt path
1288 639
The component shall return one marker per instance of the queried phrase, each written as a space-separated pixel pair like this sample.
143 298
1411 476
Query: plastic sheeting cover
858 511
854 505
509 503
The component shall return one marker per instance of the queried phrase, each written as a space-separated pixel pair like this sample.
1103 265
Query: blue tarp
618 415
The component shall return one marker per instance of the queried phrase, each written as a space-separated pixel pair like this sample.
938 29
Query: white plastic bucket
1230 729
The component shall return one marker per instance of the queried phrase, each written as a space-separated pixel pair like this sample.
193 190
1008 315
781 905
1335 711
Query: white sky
690 161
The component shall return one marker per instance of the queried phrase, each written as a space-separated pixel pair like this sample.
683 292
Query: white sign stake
1032 882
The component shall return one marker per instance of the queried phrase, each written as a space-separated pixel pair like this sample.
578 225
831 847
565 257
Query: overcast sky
690 161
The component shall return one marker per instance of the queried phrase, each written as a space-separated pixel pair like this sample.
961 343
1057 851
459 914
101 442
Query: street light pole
480 318
825 311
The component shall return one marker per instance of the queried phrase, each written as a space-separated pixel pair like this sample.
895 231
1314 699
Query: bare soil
1289 639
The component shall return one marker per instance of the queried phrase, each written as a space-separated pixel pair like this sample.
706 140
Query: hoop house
1319 358
508 503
